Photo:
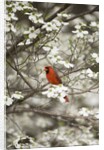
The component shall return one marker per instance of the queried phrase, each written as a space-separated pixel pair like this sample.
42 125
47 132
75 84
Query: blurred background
64 36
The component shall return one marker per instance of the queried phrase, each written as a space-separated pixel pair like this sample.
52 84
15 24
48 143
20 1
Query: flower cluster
8 101
95 57
94 24
54 25
11 17
35 17
55 58
57 91
87 112
79 32
10 27
15 96
88 72
18 6
30 35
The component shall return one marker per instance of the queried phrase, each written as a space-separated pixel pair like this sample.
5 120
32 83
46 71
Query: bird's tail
66 99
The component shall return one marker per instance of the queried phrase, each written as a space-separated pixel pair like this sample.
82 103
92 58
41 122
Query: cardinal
53 78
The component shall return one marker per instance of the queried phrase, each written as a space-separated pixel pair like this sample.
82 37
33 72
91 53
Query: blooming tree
55 37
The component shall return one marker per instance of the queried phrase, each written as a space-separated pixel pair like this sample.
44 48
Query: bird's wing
58 78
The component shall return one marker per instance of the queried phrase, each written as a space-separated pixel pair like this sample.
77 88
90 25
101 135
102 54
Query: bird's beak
45 69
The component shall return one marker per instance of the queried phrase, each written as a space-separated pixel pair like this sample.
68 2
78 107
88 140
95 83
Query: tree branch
69 118
58 11
83 14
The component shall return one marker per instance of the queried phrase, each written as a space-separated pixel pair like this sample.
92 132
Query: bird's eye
46 69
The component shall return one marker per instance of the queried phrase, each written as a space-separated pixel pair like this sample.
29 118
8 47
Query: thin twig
18 72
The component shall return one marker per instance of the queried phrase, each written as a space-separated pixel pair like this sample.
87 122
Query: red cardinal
53 78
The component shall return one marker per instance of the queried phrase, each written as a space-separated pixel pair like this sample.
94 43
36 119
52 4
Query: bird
53 78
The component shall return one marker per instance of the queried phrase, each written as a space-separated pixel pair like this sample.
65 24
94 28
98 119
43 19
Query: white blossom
32 33
41 21
78 26
10 27
57 22
65 23
61 62
85 32
68 65
27 7
21 43
93 24
18 7
64 15
50 93
52 26
83 24
53 55
75 31
49 26
33 18
95 56
47 48
54 50
85 112
12 6
96 115
54 58
57 91
59 14
89 72
11 16
17 95
28 41
60 88
36 17
79 32
9 101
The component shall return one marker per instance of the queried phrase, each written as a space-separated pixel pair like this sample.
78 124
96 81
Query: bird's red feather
53 77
